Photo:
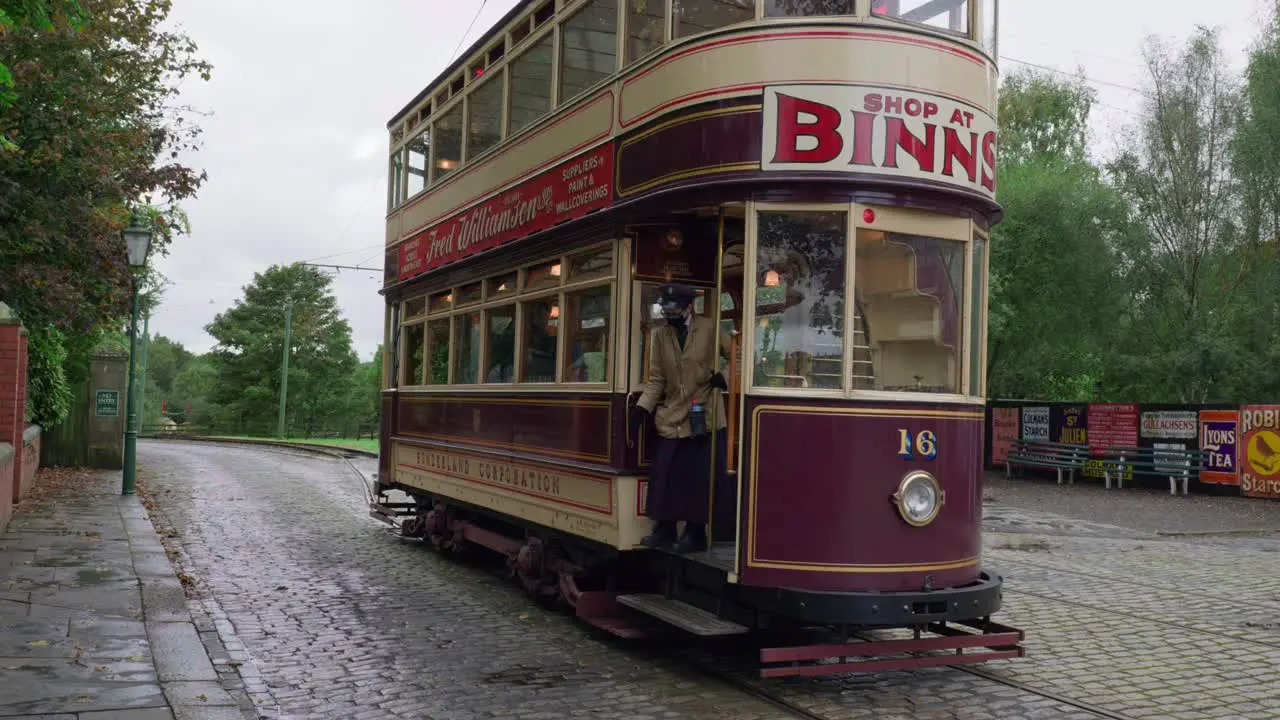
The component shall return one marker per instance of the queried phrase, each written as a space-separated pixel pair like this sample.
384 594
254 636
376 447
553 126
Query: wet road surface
323 612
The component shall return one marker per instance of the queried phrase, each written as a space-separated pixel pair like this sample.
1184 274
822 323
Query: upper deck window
447 149
695 16
530 85
807 8
418 149
646 27
952 15
395 183
589 48
484 115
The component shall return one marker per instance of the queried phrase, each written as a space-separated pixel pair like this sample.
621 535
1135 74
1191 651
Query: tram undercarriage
647 593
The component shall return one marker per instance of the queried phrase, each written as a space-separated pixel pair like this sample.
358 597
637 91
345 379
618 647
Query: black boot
663 536
693 540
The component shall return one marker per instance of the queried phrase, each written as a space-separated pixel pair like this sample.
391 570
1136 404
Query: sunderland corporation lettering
421 468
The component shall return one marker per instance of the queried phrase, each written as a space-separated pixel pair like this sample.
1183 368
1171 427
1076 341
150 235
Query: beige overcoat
678 376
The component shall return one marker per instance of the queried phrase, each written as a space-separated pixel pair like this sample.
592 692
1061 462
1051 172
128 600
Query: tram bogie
530 230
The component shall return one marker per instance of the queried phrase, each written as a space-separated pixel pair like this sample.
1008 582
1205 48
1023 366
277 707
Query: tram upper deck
589 105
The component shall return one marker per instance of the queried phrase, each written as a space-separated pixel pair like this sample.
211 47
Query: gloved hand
717 381
639 418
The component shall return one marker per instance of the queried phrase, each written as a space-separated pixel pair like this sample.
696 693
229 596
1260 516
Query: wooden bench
1173 463
1042 453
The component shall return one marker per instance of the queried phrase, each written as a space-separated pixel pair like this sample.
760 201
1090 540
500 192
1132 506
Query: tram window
542 276
950 15
800 290
588 50
990 10
503 285
587 322
438 352
415 347
441 301
470 294
484 115
501 324
415 308
530 85
807 8
646 27
467 330
591 265
977 306
418 148
541 319
396 181
697 16
910 294
447 148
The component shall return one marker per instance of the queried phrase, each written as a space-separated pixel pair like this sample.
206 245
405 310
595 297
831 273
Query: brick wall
13 389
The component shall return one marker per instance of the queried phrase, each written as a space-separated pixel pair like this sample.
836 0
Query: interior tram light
919 498
772 279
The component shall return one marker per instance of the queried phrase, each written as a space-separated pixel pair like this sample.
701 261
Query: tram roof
496 28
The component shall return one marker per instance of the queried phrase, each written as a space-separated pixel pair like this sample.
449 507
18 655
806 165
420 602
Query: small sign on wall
1259 451
106 403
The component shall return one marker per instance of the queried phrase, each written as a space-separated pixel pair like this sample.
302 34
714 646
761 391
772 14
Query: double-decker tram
821 174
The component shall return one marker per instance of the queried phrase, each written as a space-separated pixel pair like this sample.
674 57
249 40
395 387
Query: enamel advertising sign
1260 451
1218 432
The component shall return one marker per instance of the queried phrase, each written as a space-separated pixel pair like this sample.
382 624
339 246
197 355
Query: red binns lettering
898 136
989 161
825 130
955 149
864 126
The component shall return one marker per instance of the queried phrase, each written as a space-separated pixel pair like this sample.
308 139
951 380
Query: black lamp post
137 240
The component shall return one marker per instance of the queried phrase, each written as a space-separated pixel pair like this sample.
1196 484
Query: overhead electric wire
468 31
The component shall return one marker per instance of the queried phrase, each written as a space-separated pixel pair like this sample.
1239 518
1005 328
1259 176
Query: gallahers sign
879 131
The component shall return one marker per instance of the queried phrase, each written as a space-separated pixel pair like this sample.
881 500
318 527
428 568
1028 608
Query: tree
1256 154
1183 270
43 15
96 133
250 343
1054 293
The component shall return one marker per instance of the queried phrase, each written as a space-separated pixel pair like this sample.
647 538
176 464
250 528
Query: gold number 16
926 443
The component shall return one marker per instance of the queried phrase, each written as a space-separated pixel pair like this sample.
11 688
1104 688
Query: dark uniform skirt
679 486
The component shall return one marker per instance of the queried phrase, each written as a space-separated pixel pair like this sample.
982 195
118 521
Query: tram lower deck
846 489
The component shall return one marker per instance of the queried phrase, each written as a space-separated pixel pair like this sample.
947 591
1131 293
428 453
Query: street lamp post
137 240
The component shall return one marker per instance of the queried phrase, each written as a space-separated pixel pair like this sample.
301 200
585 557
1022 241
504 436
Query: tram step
682 615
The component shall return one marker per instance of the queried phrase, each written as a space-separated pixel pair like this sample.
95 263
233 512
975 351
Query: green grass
366 444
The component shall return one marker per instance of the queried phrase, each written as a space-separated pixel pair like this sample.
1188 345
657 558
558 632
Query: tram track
764 694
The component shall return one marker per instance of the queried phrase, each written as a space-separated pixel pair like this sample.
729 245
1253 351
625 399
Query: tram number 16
925 443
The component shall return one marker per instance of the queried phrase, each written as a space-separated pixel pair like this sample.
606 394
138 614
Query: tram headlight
919 498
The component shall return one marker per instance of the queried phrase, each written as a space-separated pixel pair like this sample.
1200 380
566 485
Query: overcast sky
301 93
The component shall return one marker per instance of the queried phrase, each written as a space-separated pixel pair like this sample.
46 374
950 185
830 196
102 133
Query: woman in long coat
682 374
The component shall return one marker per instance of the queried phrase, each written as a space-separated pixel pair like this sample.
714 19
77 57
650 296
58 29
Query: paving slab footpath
94 623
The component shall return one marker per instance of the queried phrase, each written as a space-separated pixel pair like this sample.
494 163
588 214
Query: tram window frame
967 13
979 310
890 219
446 305
750 303
562 95
630 42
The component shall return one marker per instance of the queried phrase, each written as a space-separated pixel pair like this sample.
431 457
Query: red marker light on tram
868 216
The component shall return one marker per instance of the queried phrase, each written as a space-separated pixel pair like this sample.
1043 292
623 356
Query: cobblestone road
327 614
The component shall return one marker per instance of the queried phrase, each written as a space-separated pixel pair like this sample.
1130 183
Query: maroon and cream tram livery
821 173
